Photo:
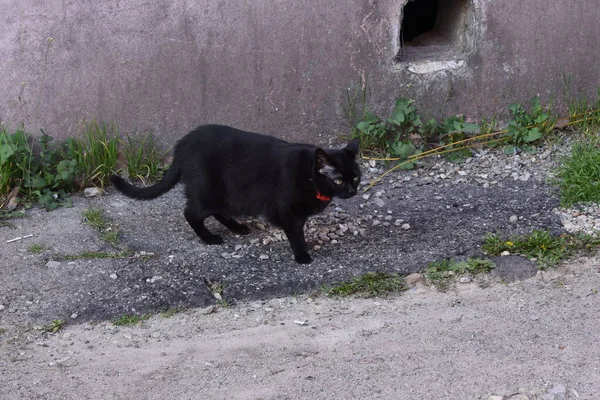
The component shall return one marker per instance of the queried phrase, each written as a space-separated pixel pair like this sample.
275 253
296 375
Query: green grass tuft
549 250
371 284
578 175
36 248
143 159
130 319
439 272
95 218
54 326
169 312
98 255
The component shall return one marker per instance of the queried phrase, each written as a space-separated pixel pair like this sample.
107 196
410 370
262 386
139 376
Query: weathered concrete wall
274 66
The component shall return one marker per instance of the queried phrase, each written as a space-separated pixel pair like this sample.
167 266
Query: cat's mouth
347 195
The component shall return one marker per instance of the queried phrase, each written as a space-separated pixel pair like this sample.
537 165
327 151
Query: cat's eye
338 181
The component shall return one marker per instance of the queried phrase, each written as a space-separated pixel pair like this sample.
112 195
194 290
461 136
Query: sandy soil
536 339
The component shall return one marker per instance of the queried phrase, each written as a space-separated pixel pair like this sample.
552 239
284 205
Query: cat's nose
352 192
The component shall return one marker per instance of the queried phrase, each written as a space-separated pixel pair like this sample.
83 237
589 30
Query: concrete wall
276 66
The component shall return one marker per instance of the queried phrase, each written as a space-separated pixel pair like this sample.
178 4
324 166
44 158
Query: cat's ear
322 162
352 147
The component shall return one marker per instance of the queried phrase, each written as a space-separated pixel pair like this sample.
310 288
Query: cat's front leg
294 231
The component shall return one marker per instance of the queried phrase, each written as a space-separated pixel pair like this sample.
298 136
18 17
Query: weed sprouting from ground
130 319
169 312
36 248
439 272
53 326
95 218
547 249
143 160
47 173
578 175
96 153
98 255
371 284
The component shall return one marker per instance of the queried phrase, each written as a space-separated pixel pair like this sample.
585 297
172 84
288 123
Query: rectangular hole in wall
435 30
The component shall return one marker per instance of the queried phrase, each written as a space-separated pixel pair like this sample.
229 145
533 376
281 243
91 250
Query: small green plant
547 249
142 157
95 218
578 175
355 108
53 326
46 177
439 272
15 159
452 130
36 248
371 284
526 128
130 319
96 154
98 255
169 312
2 331
404 133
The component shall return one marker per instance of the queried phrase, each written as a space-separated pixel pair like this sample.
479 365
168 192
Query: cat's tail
169 179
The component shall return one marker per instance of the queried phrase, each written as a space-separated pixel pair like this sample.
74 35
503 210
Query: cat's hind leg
196 220
231 224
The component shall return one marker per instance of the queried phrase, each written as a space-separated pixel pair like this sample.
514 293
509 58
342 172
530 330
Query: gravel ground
411 218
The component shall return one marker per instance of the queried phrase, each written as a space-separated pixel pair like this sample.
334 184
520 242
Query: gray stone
513 268
413 278
92 192
379 202
52 264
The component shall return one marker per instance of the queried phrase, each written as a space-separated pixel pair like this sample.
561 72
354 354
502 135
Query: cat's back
221 138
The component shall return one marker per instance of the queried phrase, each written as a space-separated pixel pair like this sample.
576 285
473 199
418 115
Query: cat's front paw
241 229
303 258
213 239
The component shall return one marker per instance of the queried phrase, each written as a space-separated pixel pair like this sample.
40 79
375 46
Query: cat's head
336 171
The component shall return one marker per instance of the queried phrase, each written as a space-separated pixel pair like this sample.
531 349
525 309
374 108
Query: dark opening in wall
435 30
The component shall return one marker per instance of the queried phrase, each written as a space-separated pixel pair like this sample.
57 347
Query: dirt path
538 338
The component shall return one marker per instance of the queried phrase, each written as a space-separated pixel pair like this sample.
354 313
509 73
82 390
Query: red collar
321 197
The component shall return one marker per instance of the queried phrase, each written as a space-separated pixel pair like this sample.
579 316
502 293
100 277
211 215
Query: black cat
228 172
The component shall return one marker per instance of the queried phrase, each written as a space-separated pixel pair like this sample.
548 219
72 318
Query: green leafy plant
36 248
371 284
98 255
439 272
95 218
404 133
452 130
96 154
15 159
547 249
53 326
526 128
130 319
578 175
142 157
169 312
45 177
